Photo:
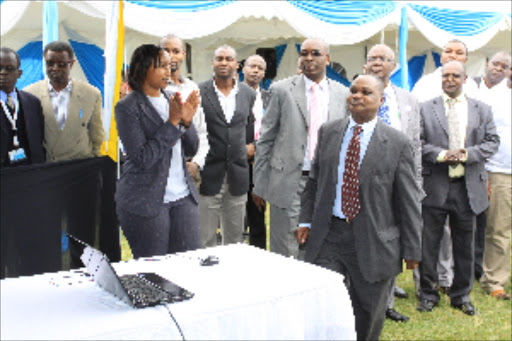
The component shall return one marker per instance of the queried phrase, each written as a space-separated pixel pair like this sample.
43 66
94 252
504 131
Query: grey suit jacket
482 142
388 227
83 133
148 142
409 111
281 147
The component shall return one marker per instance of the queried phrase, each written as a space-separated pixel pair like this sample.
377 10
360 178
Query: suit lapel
213 99
373 154
298 90
148 109
73 113
439 114
50 121
403 109
473 120
339 134
336 106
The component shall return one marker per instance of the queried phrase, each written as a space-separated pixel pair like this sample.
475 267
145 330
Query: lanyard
12 119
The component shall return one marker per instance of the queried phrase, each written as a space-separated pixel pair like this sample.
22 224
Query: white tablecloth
250 294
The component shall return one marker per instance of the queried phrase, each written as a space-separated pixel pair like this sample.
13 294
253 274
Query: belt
457 179
344 220
305 173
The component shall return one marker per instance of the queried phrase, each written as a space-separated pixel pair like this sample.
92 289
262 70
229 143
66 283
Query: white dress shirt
199 121
499 97
323 102
60 102
258 113
176 187
227 103
461 107
394 114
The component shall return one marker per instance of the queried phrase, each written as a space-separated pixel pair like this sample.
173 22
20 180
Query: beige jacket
83 132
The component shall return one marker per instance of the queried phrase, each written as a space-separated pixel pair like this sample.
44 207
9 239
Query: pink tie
314 120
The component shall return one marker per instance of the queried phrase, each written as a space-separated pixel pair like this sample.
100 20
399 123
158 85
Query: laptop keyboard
143 293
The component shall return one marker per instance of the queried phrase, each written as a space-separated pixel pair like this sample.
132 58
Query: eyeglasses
379 58
9 68
59 65
314 53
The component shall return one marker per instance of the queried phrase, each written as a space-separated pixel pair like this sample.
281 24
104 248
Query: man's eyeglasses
8 68
314 53
379 58
58 65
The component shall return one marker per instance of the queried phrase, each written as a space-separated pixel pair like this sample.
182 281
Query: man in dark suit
227 106
402 112
297 108
254 71
458 134
360 213
21 121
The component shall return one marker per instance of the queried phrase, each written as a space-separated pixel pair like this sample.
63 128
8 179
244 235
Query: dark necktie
350 190
10 103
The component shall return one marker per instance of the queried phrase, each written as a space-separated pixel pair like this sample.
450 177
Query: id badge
17 155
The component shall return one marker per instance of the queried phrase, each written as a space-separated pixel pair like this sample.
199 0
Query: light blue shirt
364 139
14 96
365 136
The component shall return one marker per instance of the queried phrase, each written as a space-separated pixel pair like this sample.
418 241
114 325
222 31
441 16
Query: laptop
137 290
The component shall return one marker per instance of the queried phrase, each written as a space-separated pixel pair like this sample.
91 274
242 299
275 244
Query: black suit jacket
30 106
388 226
148 142
227 153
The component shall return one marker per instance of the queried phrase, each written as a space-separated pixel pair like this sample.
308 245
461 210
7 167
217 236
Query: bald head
380 62
497 68
318 42
453 78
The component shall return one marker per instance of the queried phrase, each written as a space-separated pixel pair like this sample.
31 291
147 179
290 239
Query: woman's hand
175 109
190 107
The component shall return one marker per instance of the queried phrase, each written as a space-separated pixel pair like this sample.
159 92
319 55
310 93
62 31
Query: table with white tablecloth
251 294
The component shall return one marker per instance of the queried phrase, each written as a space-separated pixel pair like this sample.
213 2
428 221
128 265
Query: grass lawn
443 323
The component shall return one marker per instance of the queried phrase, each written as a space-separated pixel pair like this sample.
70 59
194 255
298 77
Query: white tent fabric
247 25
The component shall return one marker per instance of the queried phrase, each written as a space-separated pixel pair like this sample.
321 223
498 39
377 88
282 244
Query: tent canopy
350 27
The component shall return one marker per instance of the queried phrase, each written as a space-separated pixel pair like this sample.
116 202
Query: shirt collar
308 83
457 99
68 87
368 127
14 95
234 91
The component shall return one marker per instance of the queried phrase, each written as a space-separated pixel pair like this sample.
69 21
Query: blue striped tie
384 111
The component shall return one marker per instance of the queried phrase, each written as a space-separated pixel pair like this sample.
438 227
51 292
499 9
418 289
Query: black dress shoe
400 293
466 307
426 305
394 315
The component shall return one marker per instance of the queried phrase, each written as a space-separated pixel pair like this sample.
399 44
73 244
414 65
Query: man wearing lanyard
22 125
71 108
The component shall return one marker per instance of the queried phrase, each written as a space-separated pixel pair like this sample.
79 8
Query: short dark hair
460 42
142 58
172 37
9 50
59 46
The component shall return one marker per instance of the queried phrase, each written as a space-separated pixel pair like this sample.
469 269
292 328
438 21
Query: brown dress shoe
500 295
